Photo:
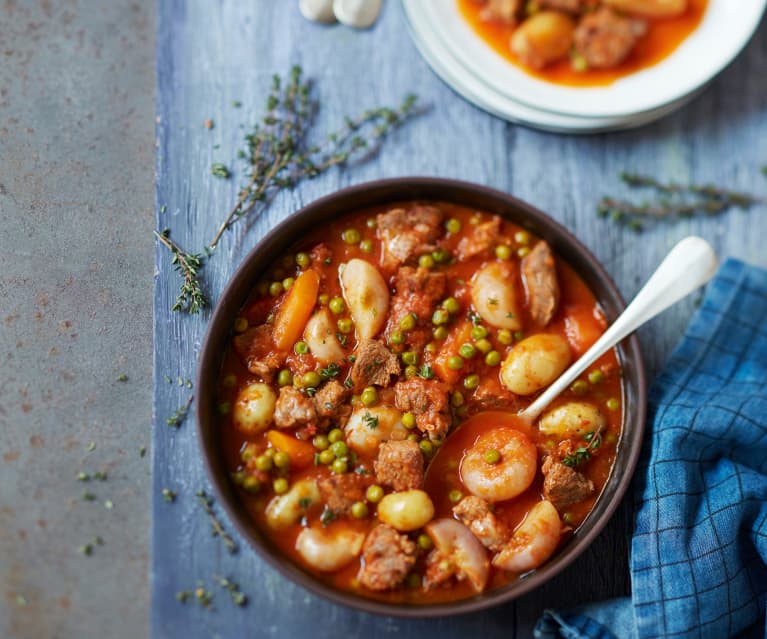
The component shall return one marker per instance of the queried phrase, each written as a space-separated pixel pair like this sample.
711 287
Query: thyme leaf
191 297
218 528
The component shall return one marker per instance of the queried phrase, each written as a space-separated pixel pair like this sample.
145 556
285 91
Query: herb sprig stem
190 298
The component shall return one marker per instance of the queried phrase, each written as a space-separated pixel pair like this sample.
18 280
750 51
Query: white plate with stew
724 28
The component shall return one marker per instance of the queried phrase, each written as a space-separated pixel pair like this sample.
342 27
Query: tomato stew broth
661 40
578 318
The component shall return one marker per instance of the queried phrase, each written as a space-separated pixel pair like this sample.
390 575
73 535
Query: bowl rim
284 234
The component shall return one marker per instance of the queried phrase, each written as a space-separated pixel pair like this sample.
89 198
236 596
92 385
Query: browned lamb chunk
388 558
540 276
329 401
506 11
408 233
439 570
475 513
399 465
481 240
340 492
605 38
491 395
570 6
427 399
256 350
564 486
416 291
373 364
293 409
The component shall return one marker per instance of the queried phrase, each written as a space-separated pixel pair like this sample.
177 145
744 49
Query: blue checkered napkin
699 551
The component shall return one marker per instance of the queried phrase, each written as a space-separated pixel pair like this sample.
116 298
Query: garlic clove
359 14
317 10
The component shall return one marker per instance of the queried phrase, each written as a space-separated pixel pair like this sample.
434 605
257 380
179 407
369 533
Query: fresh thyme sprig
278 154
177 418
582 454
218 528
675 200
190 298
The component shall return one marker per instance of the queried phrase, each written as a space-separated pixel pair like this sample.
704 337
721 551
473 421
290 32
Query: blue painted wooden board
213 53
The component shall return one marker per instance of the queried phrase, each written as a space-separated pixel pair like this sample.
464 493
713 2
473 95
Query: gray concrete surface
76 254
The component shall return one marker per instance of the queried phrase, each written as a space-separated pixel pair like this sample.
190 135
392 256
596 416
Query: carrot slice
460 334
296 310
301 453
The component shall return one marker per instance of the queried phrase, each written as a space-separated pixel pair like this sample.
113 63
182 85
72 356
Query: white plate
444 64
725 29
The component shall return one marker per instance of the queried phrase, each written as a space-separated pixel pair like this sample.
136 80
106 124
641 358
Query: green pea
320 442
339 466
345 325
467 351
288 282
264 463
455 363
483 345
366 246
337 305
492 456
311 379
351 236
440 316
426 261
451 305
580 387
396 337
374 494
408 420
247 453
410 357
440 256
359 510
284 378
413 437
522 251
522 237
339 448
369 396
613 404
251 484
230 381
503 252
453 226
456 399
239 477
327 457
479 332
427 448
407 323
504 336
471 382
440 332
596 376
240 325
518 335
455 496
425 542
303 259
323 299
281 459
280 485
493 358
301 348
335 435
370 223
411 372
275 288
568 518
269 452
431 347
224 408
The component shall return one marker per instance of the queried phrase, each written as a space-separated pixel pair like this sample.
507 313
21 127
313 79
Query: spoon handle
690 264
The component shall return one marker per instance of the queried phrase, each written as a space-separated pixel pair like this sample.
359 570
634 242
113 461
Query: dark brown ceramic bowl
355 198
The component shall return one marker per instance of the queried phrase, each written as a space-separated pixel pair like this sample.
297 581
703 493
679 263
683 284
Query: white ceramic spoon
689 265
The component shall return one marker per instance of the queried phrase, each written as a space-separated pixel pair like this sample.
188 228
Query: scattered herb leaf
218 529
180 415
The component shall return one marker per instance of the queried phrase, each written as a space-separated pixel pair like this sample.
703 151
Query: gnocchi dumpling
328 551
543 38
320 337
368 427
535 362
366 295
494 297
253 410
456 542
287 509
406 510
572 418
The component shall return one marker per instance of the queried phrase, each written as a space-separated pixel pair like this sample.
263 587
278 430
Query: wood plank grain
213 53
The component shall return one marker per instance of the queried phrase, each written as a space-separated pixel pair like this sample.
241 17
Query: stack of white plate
471 67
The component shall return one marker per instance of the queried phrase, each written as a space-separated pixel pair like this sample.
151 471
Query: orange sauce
662 39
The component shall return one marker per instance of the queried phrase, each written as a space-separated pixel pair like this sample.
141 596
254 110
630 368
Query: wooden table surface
212 54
